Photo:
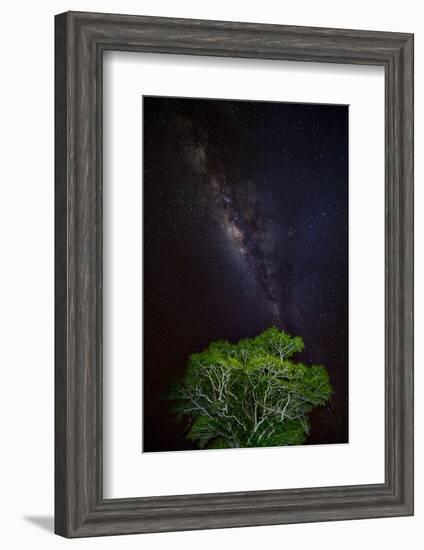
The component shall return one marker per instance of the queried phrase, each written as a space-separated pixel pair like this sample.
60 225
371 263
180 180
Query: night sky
245 226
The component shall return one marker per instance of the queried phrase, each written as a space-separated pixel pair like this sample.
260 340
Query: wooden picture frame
81 39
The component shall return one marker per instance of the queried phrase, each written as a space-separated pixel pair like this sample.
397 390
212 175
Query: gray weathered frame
81 39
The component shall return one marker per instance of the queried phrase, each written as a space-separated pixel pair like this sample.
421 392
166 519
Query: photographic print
245 274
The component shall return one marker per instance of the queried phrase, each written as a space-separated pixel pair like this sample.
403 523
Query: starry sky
245 225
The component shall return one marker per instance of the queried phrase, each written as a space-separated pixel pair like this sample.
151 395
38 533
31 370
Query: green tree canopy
250 394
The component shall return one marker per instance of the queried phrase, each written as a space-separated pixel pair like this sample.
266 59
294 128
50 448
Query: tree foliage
250 394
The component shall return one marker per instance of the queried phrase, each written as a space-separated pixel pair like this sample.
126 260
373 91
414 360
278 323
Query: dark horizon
245 226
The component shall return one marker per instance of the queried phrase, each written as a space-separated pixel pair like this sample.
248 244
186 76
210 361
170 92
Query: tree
250 394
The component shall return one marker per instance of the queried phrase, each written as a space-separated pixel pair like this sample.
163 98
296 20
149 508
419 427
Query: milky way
245 226
236 207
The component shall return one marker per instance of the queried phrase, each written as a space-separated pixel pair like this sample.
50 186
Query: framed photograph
234 274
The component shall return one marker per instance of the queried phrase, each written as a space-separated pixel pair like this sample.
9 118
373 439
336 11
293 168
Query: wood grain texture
80 509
